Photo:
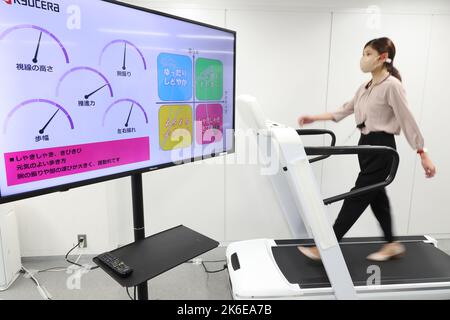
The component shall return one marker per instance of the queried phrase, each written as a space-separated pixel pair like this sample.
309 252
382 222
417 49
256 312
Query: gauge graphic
38 38
131 104
43 127
87 95
126 44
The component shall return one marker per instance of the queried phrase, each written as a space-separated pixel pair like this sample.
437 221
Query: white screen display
94 89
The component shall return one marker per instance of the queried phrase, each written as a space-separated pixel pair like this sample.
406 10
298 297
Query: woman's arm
302 120
397 100
344 111
428 165
347 109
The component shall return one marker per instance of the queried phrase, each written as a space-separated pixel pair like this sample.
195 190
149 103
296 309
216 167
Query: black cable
67 254
69 261
213 271
129 295
74 263
211 261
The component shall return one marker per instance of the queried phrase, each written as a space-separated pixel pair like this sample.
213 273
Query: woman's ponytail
393 71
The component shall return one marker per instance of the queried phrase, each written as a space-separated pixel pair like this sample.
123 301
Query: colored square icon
175 127
174 77
209 79
209 123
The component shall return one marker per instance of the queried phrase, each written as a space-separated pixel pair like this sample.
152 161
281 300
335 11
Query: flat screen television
97 90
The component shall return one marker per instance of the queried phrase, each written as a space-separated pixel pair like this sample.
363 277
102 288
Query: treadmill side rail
284 194
309 202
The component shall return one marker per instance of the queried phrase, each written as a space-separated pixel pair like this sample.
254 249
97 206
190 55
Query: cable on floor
42 291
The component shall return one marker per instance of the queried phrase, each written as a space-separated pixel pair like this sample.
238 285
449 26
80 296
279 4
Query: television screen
96 90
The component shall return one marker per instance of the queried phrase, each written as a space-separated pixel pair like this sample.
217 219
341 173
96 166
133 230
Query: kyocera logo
36 4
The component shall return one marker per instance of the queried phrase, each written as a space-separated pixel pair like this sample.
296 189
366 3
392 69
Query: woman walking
381 112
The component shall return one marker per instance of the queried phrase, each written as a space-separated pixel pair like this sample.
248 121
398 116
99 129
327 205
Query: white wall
429 207
314 47
275 65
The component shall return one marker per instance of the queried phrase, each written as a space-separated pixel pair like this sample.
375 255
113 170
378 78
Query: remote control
115 264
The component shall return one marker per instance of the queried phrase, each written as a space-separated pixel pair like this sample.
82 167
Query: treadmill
276 269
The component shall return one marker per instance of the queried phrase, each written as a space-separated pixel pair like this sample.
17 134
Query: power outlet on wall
82 240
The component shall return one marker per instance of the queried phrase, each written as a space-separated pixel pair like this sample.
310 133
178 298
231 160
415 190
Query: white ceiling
426 6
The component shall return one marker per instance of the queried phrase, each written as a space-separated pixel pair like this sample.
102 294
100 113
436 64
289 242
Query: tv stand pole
138 222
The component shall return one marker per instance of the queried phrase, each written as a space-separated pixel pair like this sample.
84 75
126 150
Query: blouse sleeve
345 110
396 97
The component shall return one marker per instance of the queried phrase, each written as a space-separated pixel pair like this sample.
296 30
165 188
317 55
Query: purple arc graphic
122 41
30 26
124 100
83 69
28 102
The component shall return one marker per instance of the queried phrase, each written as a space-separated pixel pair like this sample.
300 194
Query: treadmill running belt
422 263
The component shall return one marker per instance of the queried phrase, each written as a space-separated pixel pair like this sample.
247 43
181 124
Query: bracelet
422 151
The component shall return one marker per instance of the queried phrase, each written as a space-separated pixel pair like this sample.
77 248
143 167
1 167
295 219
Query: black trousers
374 169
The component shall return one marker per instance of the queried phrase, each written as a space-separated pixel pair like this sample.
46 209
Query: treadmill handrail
358 150
310 132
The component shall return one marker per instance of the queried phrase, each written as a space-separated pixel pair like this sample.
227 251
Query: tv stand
158 253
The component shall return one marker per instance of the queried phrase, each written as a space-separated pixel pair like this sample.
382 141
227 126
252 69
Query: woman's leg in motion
382 210
353 207
351 210
374 169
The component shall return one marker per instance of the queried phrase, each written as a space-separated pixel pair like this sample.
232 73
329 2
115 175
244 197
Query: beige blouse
383 107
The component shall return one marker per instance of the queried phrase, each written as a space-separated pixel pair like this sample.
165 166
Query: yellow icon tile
175 127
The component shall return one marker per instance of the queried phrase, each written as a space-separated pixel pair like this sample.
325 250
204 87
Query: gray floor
186 282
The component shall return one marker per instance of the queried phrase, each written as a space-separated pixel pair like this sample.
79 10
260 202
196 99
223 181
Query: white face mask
369 63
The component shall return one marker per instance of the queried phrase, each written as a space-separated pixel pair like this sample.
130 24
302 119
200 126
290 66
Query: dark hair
382 45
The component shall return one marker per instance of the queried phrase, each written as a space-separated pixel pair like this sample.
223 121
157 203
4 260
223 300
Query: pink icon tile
209 123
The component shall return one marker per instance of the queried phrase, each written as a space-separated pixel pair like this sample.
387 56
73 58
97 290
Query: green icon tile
209 79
